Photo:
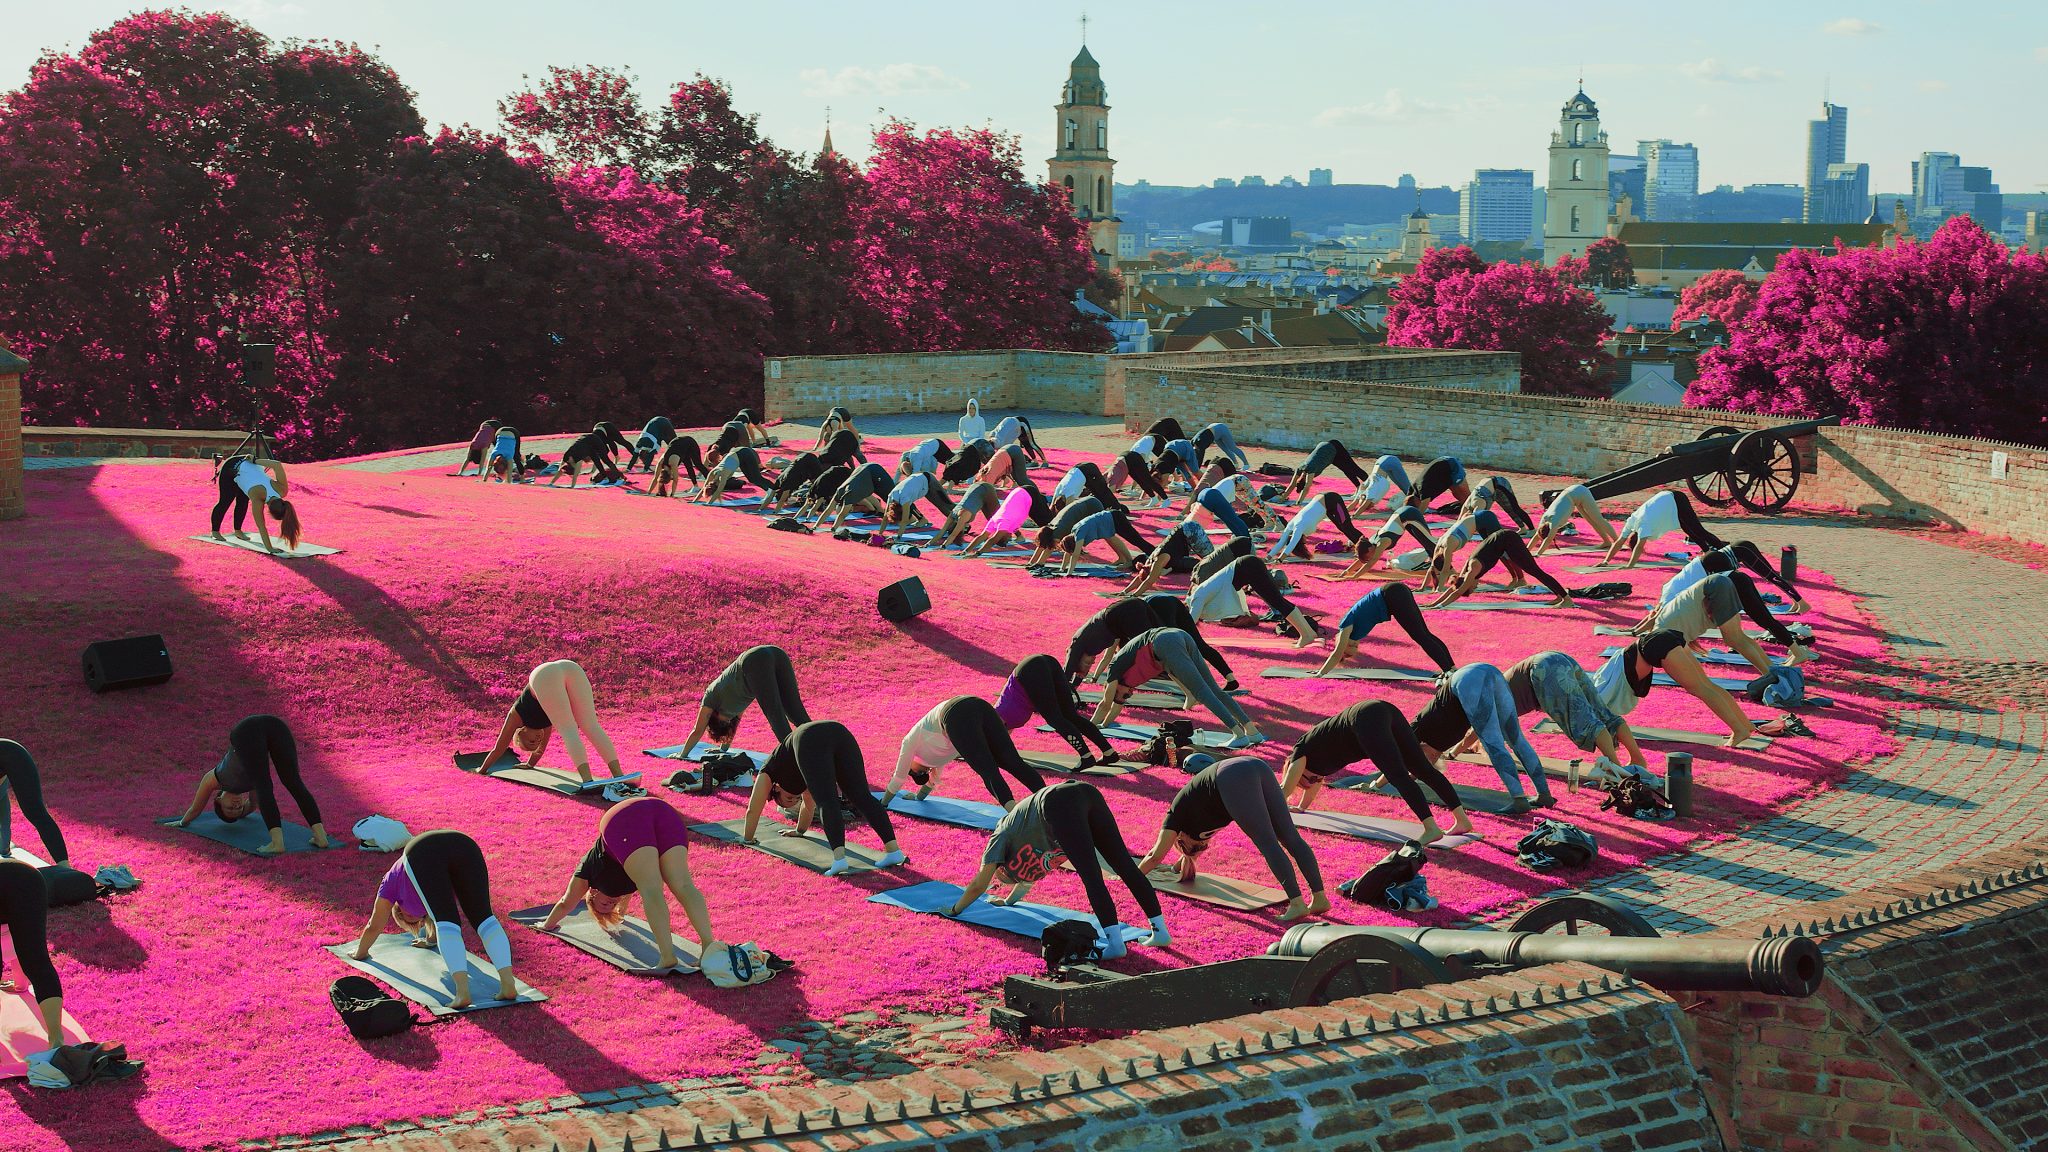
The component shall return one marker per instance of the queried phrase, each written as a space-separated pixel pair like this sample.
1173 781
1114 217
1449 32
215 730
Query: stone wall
1558 1056
85 442
1926 1036
1941 479
13 504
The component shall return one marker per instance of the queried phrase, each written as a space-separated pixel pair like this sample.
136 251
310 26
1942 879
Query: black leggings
689 456
449 869
1506 547
984 744
1753 606
264 744
1402 609
1438 478
1138 472
1329 454
1094 485
601 465
1389 742
1415 525
1251 574
25 909
966 463
18 769
1689 523
1045 684
1233 550
1080 822
749 462
1504 495
771 680
843 448
611 439
1251 795
801 471
231 493
1166 428
1170 611
835 774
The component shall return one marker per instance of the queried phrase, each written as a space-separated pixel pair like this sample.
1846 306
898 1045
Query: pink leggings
642 822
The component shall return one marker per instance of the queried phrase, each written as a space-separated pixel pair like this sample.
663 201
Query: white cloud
1851 26
1712 71
1393 107
888 80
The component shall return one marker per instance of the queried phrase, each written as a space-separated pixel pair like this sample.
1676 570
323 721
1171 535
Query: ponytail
287 520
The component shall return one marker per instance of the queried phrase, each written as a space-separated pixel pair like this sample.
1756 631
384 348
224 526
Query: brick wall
1558 1056
12 503
1941 479
1926 1036
81 442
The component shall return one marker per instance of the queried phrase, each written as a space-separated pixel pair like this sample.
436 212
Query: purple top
1013 705
397 887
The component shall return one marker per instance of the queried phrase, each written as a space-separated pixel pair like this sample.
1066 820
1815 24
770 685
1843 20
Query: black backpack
68 885
1393 870
367 1010
1632 797
788 524
1556 844
725 767
1066 942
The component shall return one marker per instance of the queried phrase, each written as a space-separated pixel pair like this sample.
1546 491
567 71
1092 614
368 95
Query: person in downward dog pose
727 467
1664 513
1024 505
963 728
1503 547
1101 635
1627 677
486 432
761 675
24 912
1220 597
1112 525
1389 475
1217 436
901 506
1292 543
1008 466
816 769
1390 601
681 456
1061 525
557 695
19 776
441 878
1554 684
1718 603
1372 547
1496 490
1131 468
924 456
1476 699
1039 685
245 479
1067 822
642 849
1575 500
1373 730
1441 475
242 781
1172 653
1742 553
593 449
504 462
652 439
1242 791
1321 458
980 500
1017 430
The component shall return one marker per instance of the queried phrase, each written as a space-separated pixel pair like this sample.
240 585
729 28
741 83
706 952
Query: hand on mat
790 832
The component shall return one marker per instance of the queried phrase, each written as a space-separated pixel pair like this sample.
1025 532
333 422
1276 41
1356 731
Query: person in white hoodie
972 426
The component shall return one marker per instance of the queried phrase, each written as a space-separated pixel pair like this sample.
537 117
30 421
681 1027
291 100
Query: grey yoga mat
632 950
510 767
418 975
807 851
247 834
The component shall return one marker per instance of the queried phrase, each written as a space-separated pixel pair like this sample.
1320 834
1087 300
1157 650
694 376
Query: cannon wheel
1414 965
1713 488
1763 470
1571 912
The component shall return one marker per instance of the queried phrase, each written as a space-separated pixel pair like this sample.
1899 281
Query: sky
1202 89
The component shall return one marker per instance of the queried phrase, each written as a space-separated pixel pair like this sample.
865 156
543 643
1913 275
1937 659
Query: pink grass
409 645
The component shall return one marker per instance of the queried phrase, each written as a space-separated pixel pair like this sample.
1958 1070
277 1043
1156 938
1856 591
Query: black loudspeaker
902 600
129 663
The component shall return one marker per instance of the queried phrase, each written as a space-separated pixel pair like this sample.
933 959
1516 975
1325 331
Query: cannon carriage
1723 465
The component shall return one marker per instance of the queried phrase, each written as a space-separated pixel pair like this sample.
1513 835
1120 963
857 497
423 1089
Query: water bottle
1788 562
1678 782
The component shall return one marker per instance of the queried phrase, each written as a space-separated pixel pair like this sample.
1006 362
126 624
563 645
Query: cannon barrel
1780 966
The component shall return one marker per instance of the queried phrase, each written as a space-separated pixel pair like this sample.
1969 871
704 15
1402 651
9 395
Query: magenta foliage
1454 300
1950 335
1723 294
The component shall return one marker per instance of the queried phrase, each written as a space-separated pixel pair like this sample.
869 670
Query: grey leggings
1177 654
1251 794
1218 436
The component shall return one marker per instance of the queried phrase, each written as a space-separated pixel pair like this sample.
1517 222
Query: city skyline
1191 106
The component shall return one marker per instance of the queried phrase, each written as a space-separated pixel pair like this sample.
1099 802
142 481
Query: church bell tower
1081 164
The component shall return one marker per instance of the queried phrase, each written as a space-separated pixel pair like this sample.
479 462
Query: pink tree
1723 294
580 116
1946 336
957 250
1454 302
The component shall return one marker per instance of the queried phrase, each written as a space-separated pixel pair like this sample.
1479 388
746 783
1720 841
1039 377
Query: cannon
1318 963
1723 465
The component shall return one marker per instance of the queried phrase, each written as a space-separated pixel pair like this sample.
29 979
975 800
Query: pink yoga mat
21 1022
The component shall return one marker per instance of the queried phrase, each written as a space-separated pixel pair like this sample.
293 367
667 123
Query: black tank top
530 712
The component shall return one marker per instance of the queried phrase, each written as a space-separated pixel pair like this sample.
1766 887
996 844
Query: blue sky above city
1200 90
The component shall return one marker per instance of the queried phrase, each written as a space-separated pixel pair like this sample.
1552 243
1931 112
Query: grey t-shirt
1704 606
1022 847
729 695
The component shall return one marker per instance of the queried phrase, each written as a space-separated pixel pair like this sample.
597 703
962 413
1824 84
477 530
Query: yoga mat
1757 741
1645 562
632 950
418 975
675 752
1160 701
27 857
1063 762
738 502
1731 683
1485 605
1347 674
1143 732
1221 891
1025 919
993 554
803 851
1489 800
21 1021
1373 828
974 814
247 834
509 767
255 545
1735 659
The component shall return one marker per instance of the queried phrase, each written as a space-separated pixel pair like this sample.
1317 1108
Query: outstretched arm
757 800
208 785
974 889
1160 847
570 898
504 742
697 731
380 918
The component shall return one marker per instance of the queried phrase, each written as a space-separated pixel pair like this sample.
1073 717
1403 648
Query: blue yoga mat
946 810
247 834
1026 919
703 747
1735 659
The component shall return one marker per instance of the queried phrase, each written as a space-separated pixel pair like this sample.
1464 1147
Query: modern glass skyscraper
1495 206
1671 179
1827 142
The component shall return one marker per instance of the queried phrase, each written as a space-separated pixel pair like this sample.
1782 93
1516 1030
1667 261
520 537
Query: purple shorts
642 822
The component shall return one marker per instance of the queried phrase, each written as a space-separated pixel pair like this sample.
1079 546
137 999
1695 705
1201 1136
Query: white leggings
564 693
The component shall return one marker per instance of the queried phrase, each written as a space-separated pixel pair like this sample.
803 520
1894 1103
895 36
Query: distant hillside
1312 209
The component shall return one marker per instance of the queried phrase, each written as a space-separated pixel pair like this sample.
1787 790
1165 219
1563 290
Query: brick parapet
96 442
13 502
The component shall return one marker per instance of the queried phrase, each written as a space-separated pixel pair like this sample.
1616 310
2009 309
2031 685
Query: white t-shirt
925 746
252 478
1657 517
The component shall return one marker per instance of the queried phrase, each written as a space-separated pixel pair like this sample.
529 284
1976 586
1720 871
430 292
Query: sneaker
1517 807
